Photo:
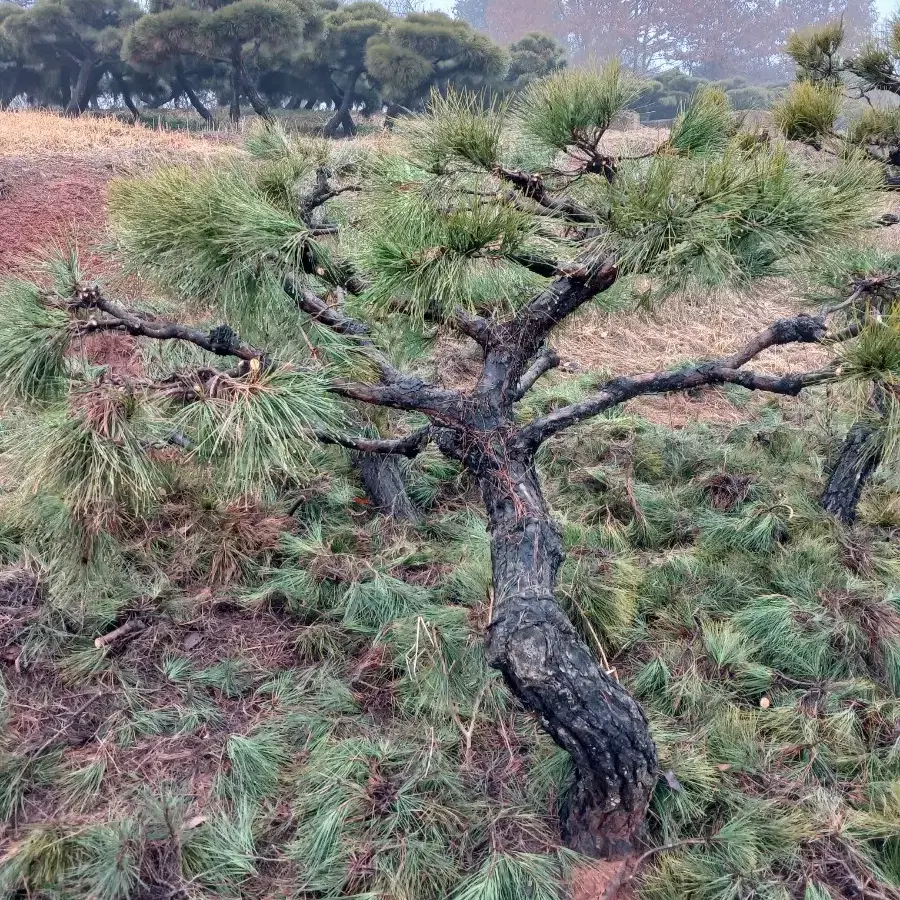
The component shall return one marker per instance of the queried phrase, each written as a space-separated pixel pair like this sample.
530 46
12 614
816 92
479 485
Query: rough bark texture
859 458
547 665
382 478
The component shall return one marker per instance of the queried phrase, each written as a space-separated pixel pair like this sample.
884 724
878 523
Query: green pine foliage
706 125
299 702
816 52
574 108
809 111
763 642
34 339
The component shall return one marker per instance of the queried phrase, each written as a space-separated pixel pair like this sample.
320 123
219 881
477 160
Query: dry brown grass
686 328
40 133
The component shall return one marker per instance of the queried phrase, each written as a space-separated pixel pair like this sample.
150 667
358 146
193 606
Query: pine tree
533 57
343 50
431 50
80 39
452 233
18 73
810 113
166 42
234 34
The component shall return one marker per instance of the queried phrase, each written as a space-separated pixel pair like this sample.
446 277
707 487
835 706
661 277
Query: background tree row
265 53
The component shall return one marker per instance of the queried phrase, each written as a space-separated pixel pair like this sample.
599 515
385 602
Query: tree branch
474 326
546 360
619 390
407 392
222 340
322 192
533 187
397 389
318 309
410 446
802 329
560 299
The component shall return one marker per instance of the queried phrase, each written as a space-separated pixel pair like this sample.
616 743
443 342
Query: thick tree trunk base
552 671
601 879
382 478
81 95
234 109
860 457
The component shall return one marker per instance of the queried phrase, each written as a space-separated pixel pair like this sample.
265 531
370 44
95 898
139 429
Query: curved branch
802 329
546 360
318 309
533 187
474 326
407 392
619 390
222 340
560 299
410 446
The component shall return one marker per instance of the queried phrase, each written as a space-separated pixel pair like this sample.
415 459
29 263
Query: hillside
231 699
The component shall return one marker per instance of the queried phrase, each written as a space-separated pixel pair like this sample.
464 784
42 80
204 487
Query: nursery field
263 698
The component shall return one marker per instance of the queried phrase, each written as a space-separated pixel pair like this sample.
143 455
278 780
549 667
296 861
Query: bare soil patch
54 174
43 202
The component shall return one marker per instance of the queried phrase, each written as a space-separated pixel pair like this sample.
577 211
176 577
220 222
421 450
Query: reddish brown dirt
45 202
602 880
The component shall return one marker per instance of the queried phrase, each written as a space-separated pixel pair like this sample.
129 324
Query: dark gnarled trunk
547 665
342 115
123 88
260 107
382 477
193 99
859 458
234 108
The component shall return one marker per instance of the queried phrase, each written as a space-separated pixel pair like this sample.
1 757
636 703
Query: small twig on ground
596 638
665 848
132 626
473 721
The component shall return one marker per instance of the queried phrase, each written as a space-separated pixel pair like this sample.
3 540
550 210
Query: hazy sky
885 7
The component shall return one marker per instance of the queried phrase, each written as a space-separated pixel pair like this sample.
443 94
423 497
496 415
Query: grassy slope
303 709
328 727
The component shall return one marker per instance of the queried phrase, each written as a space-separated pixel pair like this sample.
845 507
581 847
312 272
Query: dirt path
45 202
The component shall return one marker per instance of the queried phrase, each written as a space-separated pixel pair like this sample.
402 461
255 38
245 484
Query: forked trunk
342 115
860 457
382 477
550 669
